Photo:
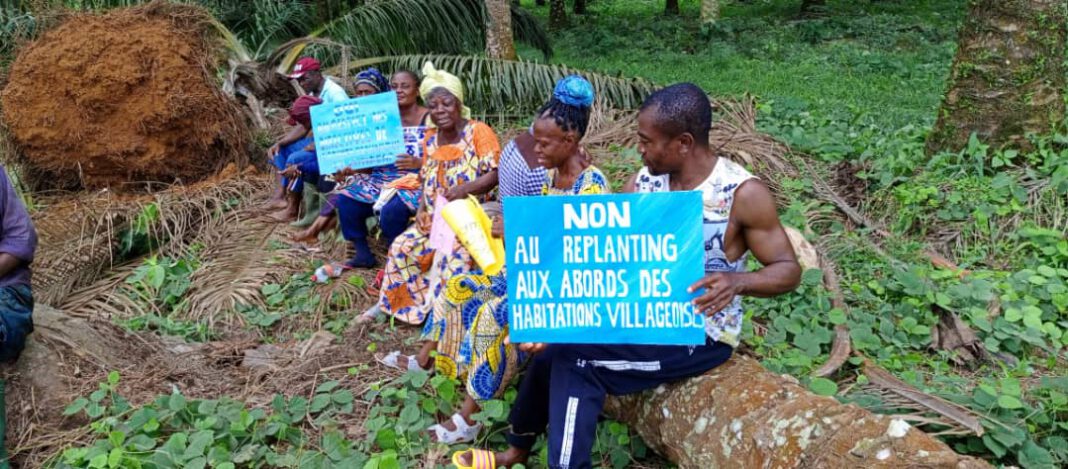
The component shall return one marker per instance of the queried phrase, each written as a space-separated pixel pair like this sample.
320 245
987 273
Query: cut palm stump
741 415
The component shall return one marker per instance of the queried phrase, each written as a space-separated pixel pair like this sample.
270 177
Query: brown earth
127 96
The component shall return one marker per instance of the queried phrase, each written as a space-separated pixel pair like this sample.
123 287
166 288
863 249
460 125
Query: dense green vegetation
887 59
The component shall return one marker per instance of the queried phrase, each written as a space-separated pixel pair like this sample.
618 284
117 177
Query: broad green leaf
1032 456
155 276
326 387
115 457
116 438
1013 314
342 397
99 461
823 386
410 414
319 402
836 316
76 406
1009 402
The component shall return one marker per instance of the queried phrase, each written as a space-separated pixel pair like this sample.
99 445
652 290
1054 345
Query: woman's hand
498 227
291 171
423 221
528 347
273 151
457 192
407 162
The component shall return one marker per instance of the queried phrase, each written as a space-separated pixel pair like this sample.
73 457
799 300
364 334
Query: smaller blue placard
357 133
604 269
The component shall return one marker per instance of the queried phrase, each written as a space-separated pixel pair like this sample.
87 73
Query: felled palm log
741 415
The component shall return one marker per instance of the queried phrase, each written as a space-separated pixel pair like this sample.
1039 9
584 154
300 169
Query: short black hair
415 76
567 116
682 108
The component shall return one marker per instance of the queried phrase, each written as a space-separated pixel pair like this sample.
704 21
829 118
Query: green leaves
823 386
1009 402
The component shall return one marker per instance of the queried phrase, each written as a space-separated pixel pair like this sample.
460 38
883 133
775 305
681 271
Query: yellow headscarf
434 78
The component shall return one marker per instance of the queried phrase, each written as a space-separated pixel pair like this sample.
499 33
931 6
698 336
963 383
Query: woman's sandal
392 360
376 287
480 459
463 433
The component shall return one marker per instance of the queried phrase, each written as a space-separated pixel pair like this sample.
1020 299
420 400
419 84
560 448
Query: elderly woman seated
460 160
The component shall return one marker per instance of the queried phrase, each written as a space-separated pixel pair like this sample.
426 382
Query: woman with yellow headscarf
461 157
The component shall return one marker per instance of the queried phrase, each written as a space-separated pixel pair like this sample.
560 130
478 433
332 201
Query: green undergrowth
174 431
888 57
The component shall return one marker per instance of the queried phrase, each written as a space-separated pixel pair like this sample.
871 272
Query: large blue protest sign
357 133
604 269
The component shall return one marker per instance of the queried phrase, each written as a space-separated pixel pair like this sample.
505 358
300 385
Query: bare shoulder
754 204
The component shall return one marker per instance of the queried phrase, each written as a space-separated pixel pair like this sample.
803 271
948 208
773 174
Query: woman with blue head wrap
471 317
380 192
370 81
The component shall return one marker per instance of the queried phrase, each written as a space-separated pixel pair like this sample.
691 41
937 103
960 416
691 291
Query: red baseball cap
300 112
305 65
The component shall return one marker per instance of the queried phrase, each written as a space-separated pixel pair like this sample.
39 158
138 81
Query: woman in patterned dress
460 154
470 320
371 191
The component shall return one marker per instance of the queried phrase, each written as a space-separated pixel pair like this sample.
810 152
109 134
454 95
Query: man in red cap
307 72
308 75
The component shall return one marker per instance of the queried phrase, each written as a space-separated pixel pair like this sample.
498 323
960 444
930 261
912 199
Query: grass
891 58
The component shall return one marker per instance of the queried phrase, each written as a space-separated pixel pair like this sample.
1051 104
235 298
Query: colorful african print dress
479 303
413 274
367 188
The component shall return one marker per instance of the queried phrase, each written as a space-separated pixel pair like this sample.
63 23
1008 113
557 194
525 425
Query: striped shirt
515 178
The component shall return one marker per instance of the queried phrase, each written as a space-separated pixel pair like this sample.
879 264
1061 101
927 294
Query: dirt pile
127 96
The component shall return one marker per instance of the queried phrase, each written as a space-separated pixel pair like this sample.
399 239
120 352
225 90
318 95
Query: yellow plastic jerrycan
472 227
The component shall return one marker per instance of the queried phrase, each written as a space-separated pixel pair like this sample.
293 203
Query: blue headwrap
574 90
373 77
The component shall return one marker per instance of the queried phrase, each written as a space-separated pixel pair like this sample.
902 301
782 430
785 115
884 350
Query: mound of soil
127 96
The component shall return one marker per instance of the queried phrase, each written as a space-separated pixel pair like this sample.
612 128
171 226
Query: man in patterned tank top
565 386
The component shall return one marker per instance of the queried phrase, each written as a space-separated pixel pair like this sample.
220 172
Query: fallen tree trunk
741 415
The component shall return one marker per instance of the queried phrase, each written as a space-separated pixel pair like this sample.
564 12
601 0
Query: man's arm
754 209
18 239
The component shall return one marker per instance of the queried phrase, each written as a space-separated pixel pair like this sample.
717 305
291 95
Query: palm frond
79 235
946 418
108 297
393 27
507 86
235 265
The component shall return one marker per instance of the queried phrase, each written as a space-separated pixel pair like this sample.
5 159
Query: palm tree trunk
1008 77
580 7
557 14
671 7
499 41
709 11
742 415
